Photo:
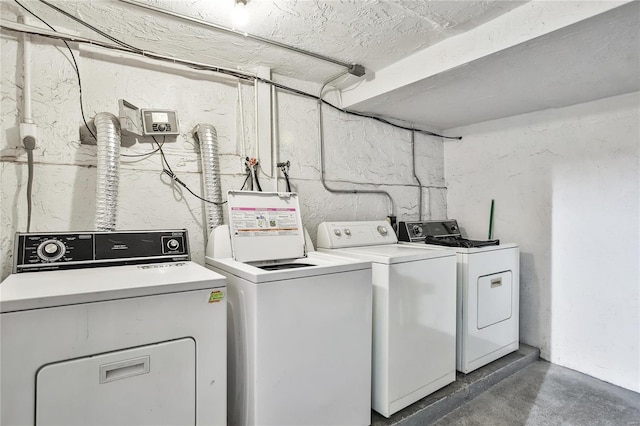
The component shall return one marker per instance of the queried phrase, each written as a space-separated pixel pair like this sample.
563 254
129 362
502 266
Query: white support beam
529 21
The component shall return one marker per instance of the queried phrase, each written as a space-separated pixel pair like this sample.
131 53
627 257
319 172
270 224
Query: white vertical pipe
243 152
274 139
263 121
26 72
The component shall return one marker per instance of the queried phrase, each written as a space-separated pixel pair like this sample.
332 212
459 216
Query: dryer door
149 385
494 298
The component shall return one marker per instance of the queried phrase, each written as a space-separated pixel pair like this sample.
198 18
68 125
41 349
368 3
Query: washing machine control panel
355 234
73 250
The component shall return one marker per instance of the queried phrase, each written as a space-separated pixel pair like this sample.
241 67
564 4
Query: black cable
284 168
245 182
29 187
166 169
286 178
142 155
349 112
86 24
242 76
255 177
75 64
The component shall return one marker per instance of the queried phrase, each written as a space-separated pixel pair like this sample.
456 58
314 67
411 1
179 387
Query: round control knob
51 250
417 230
383 230
173 244
337 232
162 127
347 231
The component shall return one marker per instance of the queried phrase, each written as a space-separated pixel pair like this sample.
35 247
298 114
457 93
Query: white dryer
414 311
111 328
299 346
488 290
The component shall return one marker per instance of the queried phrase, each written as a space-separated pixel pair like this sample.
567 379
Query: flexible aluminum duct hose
208 138
108 134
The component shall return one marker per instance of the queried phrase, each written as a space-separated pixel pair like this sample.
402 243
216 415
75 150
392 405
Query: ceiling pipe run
353 69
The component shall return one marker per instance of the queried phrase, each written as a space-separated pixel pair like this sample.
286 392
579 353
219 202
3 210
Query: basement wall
565 184
372 154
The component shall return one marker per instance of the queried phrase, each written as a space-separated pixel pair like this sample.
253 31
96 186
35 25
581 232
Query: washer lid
265 226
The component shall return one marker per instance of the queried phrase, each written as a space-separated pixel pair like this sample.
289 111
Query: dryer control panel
74 250
418 231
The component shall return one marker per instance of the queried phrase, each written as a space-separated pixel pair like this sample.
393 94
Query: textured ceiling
373 33
434 64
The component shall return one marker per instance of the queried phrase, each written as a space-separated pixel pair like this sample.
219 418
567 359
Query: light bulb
240 15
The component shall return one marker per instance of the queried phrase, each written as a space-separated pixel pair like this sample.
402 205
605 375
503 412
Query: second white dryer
414 311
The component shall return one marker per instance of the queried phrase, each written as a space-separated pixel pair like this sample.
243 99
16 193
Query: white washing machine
414 311
299 344
488 290
111 328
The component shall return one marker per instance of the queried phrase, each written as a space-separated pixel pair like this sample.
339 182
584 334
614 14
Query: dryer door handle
496 282
124 369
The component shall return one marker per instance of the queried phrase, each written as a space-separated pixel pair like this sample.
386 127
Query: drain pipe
322 169
413 162
108 136
207 138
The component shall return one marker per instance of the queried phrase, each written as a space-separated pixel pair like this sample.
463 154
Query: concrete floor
547 394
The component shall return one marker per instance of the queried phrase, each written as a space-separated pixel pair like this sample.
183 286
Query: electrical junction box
147 122
130 122
162 122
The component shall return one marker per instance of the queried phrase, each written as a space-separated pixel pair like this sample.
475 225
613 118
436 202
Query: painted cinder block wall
360 150
565 183
555 175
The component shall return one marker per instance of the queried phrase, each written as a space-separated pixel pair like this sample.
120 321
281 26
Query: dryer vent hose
108 135
207 137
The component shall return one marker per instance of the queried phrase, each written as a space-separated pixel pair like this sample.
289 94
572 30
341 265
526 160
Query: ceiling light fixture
240 16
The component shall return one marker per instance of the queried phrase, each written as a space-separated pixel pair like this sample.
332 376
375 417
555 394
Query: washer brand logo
216 296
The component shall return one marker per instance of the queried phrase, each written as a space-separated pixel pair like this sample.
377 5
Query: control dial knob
417 230
173 244
51 250
337 232
383 230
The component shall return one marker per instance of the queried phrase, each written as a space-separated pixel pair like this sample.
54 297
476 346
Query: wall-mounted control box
159 122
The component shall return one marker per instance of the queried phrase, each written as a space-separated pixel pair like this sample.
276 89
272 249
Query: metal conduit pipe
354 69
321 138
207 138
413 163
108 170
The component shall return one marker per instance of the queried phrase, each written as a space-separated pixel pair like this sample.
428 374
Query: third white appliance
488 290
414 311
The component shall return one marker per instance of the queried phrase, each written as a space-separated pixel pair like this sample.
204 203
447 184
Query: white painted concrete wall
357 149
565 183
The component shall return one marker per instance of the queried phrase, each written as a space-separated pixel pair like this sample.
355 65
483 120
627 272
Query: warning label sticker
260 221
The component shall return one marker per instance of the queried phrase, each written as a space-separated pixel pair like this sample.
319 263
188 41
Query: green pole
491 221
